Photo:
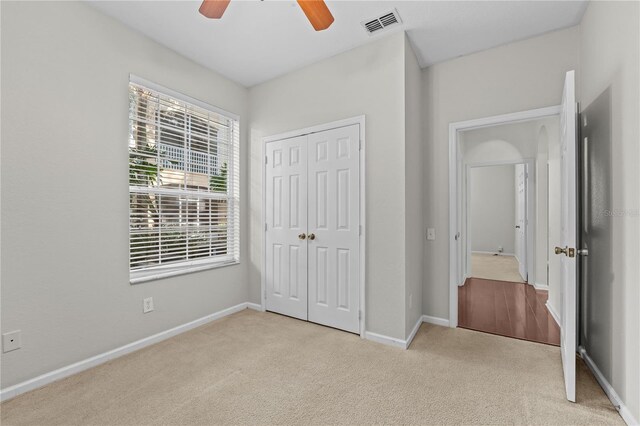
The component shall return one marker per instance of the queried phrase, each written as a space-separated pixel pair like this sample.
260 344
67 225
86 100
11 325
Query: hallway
506 308
495 267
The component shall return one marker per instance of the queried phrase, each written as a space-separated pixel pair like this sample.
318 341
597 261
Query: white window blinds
183 184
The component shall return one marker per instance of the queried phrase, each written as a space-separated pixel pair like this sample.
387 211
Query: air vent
381 22
388 19
374 25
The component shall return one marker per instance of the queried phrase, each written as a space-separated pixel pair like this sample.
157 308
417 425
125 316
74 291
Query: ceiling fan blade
318 13
213 9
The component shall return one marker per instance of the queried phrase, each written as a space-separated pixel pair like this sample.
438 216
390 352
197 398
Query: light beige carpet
262 368
490 267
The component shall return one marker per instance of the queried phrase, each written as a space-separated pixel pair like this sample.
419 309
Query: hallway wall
492 208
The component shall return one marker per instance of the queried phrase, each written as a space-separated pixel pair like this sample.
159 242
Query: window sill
157 274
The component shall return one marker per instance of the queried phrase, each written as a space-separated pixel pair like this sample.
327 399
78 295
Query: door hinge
265 293
360 145
360 229
265 226
359 315
266 159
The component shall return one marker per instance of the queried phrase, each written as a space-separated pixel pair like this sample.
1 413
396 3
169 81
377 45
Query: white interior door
334 211
286 220
568 234
521 220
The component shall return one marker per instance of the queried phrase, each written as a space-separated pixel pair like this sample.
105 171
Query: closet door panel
333 213
286 220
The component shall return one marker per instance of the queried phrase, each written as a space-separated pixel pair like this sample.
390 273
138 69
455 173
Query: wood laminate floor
506 308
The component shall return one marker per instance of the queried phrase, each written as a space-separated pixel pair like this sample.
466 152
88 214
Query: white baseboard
492 253
404 344
385 340
539 286
623 410
553 313
255 306
435 320
413 332
69 370
464 280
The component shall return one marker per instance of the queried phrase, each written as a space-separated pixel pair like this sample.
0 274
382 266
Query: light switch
431 234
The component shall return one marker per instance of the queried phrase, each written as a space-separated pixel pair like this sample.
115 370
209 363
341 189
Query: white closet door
286 217
334 209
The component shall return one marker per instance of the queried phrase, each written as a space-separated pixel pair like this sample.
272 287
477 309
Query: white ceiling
256 41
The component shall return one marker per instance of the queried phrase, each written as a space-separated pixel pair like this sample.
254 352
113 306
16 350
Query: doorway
499 211
506 139
505 286
568 221
313 214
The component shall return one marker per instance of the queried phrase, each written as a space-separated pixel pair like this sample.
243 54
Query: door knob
517 226
302 236
312 236
567 251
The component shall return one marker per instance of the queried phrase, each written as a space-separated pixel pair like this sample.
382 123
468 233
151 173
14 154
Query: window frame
211 262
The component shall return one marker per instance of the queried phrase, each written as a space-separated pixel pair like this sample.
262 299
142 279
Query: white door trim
530 230
360 120
454 130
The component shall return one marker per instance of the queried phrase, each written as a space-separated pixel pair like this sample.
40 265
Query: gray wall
368 80
492 208
515 77
610 68
414 230
65 204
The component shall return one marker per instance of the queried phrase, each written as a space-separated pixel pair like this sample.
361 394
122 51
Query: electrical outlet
11 341
147 305
431 234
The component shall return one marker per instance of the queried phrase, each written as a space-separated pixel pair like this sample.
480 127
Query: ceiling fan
316 10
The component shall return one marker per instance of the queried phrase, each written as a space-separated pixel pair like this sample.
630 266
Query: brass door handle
302 236
567 251
311 236
560 250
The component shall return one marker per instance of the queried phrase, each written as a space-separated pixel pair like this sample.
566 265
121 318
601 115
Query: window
183 184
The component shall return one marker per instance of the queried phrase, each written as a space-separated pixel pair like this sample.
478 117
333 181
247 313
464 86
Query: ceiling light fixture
316 11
